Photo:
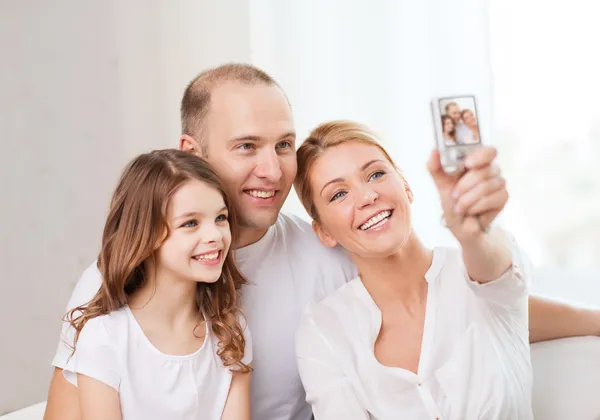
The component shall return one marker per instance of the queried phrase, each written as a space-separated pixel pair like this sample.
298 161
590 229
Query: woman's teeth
376 220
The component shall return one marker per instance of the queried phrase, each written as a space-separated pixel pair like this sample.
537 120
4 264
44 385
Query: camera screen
460 123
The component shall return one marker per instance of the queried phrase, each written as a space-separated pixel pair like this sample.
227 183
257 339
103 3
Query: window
534 69
546 84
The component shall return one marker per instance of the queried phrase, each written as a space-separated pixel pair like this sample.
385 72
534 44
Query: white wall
378 63
84 86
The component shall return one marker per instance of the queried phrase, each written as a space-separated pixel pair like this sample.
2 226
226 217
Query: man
238 118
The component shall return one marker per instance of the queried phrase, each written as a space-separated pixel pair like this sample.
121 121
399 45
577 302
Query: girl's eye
190 223
376 175
338 195
222 218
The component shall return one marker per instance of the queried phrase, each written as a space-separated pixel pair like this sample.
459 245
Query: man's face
250 140
454 113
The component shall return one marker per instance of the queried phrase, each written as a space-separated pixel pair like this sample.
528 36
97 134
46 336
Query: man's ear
408 190
188 144
323 235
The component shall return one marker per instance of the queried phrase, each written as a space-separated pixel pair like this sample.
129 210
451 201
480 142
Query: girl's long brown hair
135 228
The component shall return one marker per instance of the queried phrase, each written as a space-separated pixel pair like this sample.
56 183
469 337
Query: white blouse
474 365
152 385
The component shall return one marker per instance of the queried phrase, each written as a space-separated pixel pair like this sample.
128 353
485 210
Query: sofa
566 382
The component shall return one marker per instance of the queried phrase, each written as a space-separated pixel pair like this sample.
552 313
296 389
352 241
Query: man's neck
248 236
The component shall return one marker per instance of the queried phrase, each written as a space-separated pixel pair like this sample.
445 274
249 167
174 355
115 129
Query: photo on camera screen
460 122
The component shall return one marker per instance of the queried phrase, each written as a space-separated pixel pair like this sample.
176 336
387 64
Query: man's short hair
448 105
196 100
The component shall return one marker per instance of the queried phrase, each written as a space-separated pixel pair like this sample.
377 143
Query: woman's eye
190 223
222 218
376 175
338 195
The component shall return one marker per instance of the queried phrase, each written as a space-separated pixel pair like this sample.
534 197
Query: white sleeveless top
152 385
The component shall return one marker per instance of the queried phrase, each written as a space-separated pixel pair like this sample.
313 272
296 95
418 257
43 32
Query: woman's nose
367 197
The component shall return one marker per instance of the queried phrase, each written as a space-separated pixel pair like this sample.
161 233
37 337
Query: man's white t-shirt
113 349
287 270
464 135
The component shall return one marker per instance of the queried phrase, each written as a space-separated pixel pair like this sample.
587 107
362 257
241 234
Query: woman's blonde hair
326 136
136 227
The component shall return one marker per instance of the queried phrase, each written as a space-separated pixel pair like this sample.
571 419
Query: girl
449 130
162 338
420 334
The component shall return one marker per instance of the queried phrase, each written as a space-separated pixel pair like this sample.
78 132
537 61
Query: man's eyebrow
247 137
362 168
255 138
289 134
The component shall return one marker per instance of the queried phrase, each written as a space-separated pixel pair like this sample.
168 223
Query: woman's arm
237 406
487 256
471 200
97 400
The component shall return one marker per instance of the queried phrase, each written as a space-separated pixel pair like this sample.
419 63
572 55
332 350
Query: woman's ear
323 235
189 144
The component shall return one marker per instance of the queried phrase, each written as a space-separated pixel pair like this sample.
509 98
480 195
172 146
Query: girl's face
199 236
448 125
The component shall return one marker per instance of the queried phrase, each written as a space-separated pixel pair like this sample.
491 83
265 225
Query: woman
162 338
470 121
448 130
421 333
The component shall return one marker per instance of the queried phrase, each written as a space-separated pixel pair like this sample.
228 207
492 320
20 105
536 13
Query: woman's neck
166 299
398 277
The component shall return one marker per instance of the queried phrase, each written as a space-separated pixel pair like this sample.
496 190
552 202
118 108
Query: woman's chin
382 248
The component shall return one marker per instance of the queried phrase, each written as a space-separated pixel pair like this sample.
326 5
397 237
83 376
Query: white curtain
378 63
531 64
547 89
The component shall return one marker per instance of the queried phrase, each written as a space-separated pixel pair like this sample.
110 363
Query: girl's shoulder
107 328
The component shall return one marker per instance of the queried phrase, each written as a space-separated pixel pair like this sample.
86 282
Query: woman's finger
486 219
493 202
478 192
480 157
473 178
